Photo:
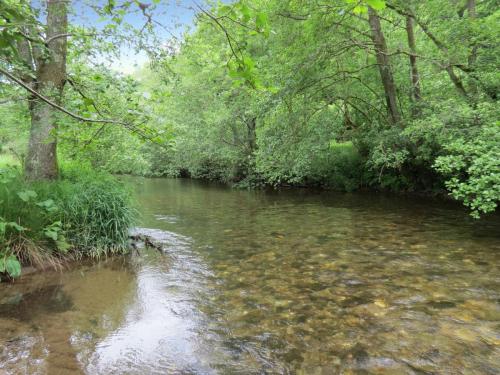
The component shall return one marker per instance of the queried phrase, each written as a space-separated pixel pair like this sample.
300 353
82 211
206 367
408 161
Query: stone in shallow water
354 301
441 304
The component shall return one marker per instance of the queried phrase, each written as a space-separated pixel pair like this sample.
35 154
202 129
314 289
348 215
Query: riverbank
438 196
47 223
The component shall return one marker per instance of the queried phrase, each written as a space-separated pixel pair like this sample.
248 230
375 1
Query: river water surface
294 282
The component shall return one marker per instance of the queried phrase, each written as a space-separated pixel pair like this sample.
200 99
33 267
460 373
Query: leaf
261 20
245 12
249 63
48 205
376 4
359 9
62 245
12 266
26 195
52 234
16 226
88 102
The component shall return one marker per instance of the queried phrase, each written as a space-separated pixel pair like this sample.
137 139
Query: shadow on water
50 299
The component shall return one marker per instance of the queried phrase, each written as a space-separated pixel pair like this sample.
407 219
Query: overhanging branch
55 105
73 115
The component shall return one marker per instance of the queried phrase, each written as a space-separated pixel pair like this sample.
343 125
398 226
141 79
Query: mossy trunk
41 161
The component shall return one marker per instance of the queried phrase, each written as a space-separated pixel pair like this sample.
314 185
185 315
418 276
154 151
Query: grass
7 160
83 214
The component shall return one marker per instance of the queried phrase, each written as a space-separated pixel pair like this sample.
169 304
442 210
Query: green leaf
249 63
48 205
261 20
51 234
376 4
27 195
16 226
245 12
88 102
62 245
359 9
12 266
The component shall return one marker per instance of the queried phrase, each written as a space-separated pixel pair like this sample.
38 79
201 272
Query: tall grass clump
98 211
82 214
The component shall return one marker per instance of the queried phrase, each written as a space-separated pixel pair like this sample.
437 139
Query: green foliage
302 103
17 14
83 214
362 6
473 169
10 265
96 210
272 92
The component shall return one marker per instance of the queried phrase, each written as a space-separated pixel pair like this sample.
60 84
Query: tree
384 65
415 77
49 80
34 56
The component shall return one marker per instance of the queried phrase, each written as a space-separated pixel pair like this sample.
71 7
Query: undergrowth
82 214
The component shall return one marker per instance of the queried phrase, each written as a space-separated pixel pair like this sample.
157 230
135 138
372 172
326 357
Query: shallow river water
296 282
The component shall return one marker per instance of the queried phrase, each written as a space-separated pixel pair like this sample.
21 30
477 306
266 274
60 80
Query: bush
344 167
336 165
82 214
473 170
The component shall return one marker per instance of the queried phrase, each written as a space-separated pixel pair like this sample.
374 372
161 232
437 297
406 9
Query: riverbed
254 282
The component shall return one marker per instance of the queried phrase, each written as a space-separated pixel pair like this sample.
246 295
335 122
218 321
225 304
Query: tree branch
57 106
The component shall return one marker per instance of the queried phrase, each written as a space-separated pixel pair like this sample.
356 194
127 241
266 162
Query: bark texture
415 77
384 65
41 161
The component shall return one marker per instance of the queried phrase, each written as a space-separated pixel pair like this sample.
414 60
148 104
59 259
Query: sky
175 16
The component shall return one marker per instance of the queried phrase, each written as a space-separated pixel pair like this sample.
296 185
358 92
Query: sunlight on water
254 282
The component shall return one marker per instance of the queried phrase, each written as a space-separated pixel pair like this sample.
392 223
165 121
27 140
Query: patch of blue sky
171 20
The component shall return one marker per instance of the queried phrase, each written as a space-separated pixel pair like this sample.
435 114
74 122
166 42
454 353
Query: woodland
345 95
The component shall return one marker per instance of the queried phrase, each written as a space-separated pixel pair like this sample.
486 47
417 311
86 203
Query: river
253 282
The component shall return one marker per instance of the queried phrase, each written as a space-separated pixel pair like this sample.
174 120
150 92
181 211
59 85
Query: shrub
82 214
473 170
344 168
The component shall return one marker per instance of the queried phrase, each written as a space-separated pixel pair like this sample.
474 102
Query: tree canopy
399 95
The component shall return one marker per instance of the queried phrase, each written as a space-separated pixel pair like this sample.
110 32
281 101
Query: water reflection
46 309
254 283
158 332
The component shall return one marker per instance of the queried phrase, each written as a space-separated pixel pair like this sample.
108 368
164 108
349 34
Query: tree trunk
415 78
251 134
455 79
471 9
384 65
41 161
471 61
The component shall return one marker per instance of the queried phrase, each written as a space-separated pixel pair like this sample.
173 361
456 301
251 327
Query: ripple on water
254 283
